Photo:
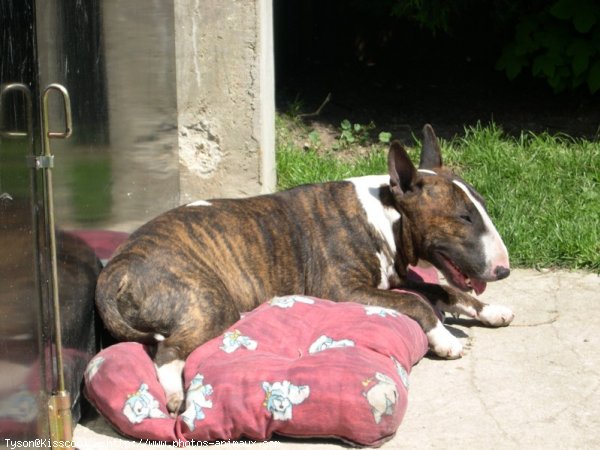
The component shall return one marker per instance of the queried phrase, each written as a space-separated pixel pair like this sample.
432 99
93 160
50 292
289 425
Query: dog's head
444 220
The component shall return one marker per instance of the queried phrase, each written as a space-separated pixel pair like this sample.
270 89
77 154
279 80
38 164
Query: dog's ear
403 174
431 154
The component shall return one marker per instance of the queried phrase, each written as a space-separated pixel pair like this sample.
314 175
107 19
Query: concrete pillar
225 96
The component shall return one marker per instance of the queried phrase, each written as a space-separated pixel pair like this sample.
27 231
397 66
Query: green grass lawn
542 191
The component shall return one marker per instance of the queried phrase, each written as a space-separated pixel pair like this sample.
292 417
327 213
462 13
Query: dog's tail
117 298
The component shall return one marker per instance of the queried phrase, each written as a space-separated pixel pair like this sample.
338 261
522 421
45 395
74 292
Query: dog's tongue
478 286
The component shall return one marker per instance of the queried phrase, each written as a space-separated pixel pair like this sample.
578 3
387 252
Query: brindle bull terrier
186 276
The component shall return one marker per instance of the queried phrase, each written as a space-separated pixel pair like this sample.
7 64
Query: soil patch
412 78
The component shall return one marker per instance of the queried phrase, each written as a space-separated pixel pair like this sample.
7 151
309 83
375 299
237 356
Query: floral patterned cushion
296 366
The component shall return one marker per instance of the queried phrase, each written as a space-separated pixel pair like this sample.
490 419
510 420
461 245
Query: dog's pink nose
501 272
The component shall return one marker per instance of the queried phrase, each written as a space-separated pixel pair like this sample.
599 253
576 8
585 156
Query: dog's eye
466 218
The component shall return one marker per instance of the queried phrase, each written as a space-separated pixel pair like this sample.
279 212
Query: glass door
24 335
118 169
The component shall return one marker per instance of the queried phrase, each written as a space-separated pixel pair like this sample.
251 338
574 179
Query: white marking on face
494 248
199 203
170 377
430 172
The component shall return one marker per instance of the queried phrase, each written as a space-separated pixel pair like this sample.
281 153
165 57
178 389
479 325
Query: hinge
41 162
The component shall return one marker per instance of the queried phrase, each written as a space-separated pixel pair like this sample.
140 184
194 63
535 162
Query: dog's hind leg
169 367
203 315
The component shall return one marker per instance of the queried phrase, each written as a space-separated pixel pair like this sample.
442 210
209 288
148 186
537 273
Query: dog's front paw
496 315
443 344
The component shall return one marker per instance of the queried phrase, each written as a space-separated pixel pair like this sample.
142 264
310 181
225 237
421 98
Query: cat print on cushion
382 396
92 367
290 300
281 396
232 340
196 401
402 373
325 342
142 405
380 311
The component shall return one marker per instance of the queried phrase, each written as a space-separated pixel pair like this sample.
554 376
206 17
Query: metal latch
60 420
59 404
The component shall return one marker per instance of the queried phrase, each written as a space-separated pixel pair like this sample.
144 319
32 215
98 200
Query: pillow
295 366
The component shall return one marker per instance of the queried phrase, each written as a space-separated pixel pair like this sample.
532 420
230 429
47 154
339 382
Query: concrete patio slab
533 385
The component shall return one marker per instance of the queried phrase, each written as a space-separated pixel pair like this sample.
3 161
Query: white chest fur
381 217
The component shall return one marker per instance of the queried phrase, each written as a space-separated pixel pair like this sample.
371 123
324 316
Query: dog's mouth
458 278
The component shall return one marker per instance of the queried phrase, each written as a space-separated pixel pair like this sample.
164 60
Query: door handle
66 108
47 158
5 89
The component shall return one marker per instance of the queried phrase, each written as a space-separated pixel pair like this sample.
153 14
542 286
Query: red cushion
103 242
295 366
